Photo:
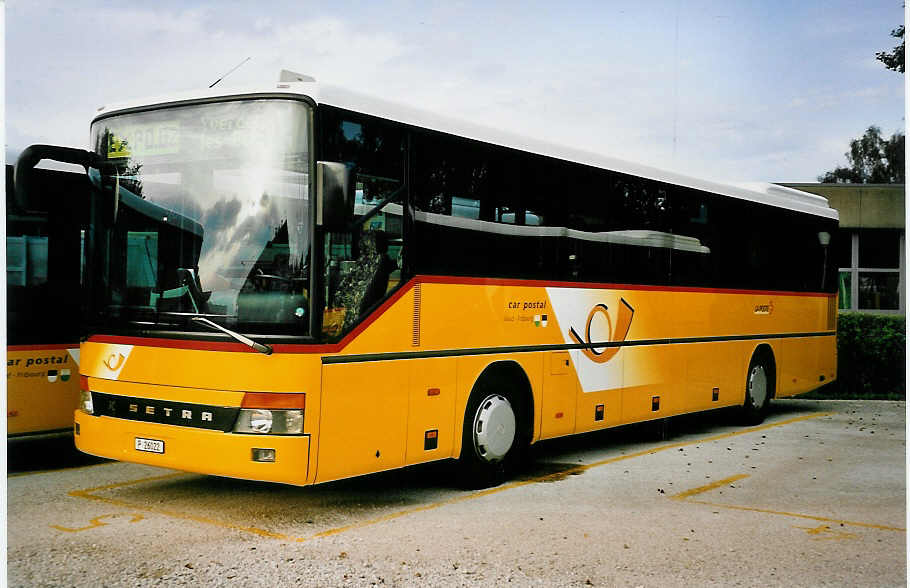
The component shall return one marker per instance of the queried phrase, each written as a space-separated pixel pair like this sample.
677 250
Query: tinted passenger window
587 201
451 176
643 204
375 148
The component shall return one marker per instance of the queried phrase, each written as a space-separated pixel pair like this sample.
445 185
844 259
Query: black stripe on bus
327 360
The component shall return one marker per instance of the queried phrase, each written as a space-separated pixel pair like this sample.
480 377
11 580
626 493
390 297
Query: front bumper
195 450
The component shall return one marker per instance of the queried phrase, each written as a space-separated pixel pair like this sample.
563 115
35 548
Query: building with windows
870 250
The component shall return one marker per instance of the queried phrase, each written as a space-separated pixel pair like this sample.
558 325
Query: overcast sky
738 90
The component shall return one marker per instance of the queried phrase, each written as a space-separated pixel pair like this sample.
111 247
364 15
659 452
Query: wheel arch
764 350
510 376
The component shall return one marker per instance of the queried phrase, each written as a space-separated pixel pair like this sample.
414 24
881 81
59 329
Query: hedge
871 358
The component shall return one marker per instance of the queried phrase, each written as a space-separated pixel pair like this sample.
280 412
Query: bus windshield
204 210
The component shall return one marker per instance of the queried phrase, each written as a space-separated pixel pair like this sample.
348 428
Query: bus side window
453 180
28 290
364 266
26 261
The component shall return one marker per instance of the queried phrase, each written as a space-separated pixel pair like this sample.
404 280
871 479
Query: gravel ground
815 497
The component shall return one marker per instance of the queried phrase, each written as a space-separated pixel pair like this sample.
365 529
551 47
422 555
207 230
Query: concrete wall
863 206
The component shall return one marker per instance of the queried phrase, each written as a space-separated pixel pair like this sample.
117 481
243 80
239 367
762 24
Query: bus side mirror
33 154
334 195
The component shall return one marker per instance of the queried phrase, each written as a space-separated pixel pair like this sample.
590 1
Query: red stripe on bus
338 347
197 345
171 343
42 346
241 348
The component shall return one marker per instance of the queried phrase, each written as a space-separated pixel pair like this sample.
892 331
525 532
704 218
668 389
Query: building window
879 291
872 270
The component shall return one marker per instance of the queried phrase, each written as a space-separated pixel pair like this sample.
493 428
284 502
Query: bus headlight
85 401
271 413
261 421
269 422
85 396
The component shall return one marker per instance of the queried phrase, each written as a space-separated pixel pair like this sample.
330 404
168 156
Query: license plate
150 445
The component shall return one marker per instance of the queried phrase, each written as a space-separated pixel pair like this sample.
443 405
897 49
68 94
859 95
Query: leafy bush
871 358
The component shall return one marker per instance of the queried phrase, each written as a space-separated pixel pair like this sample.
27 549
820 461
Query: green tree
894 59
872 160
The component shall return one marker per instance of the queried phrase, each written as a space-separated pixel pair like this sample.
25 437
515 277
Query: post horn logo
616 335
114 361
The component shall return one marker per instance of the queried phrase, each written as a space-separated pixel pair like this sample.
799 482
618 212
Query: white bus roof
765 193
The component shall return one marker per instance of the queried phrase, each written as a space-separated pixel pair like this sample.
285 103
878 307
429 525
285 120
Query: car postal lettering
28 362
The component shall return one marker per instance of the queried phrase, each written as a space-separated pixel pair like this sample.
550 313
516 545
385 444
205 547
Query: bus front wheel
490 438
759 387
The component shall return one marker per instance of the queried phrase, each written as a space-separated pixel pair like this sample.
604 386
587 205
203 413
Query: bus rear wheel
491 439
759 387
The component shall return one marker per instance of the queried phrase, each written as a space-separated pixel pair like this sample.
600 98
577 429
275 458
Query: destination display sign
159 138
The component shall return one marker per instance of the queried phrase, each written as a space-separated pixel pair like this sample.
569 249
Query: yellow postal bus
43 249
301 284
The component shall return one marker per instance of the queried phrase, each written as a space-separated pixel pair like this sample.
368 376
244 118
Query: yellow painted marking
801 516
826 533
96 522
555 476
89 493
708 487
416 509
816 530
81 493
706 440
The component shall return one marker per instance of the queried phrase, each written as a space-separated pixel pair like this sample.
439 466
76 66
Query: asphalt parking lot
815 496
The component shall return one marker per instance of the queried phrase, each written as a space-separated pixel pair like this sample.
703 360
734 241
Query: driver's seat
363 282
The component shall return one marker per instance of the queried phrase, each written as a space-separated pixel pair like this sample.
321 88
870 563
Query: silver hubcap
494 428
758 386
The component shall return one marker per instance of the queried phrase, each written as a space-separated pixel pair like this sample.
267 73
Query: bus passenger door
364 418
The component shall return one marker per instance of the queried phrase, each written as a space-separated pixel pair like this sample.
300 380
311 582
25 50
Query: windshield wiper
260 347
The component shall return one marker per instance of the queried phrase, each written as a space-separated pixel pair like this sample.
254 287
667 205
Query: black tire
493 437
759 388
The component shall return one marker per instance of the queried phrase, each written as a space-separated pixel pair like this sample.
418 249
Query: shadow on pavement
29 455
